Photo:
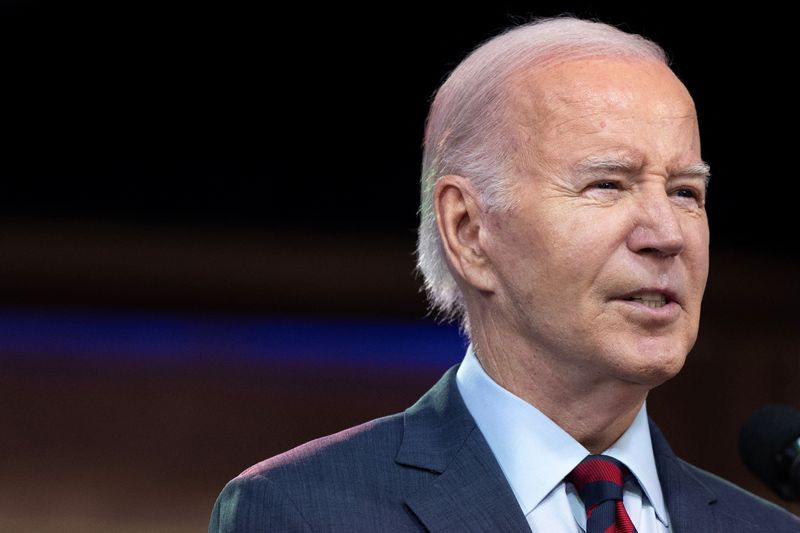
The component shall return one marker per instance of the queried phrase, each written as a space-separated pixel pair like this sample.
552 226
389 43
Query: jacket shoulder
746 506
252 504
335 456
331 483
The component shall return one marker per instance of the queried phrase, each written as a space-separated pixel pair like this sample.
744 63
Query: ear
460 220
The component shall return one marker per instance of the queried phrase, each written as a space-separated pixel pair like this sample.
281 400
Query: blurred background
208 224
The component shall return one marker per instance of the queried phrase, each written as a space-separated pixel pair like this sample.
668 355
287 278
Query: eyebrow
627 165
606 164
702 170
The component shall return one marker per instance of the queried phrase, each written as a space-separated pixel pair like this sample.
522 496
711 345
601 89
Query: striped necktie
599 480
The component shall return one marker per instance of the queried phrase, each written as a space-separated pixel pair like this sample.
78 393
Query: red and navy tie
599 480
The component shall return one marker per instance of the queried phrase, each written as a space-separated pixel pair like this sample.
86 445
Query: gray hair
468 132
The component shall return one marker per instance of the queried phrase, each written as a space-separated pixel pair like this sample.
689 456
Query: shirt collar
635 449
513 428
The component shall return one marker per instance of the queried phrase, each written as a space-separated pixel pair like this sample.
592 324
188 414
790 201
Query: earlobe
459 217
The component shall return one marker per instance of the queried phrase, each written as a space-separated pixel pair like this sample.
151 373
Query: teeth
651 300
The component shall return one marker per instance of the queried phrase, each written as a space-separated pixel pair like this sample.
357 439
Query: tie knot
598 478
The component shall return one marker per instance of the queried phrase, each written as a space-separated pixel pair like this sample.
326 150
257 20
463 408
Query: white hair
468 131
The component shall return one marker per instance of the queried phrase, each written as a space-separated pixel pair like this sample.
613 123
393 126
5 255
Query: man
563 220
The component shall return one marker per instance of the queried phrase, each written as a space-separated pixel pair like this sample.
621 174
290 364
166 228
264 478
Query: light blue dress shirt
535 455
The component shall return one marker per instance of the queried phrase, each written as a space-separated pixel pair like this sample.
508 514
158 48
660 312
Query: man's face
603 263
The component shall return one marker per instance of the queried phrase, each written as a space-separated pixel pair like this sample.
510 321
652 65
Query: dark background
238 163
311 117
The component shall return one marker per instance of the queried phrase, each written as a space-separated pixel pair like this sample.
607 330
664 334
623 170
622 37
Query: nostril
657 251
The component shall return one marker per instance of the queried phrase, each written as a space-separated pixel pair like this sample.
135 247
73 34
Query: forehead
586 109
582 95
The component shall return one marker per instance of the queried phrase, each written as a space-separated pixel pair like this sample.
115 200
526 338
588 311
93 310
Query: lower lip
665 314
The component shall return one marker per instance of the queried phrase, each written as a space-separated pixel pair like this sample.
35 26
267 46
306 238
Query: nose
657 229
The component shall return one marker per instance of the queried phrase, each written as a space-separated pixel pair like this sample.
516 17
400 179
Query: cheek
697 241
583 243
557 253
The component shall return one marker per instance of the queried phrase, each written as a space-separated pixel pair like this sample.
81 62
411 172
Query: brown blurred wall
126 445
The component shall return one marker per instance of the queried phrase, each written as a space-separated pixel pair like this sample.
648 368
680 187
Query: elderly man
563 220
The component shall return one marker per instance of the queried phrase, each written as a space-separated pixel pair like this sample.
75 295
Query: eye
606 190
605 185
689 195
685 192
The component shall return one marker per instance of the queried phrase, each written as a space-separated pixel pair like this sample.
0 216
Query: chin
657 360
652 376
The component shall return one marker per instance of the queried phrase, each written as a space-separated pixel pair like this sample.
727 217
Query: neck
595 411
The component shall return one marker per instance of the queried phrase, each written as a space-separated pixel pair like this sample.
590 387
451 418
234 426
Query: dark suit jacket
430 469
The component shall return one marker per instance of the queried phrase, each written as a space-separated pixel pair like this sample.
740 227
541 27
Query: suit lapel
690 503
470 493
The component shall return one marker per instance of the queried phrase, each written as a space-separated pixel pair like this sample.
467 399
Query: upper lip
669 294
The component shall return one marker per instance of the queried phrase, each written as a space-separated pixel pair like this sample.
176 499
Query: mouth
653 300
651 306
